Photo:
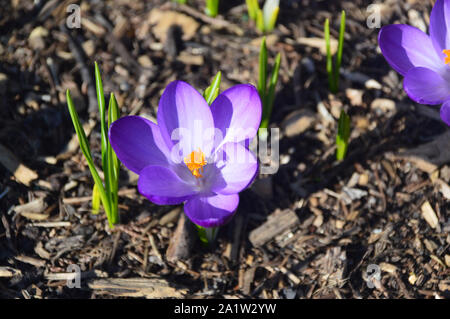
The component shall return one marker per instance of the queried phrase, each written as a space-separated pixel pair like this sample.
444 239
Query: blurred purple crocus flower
196 154
424 60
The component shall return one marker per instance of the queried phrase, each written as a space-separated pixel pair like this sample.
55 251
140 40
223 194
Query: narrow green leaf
329 57
103 129
206 235
270 25
212 8
270 14
107 170
343 136
113 115
271 94
339 52
252 8
262 81
95 200
212 91
260 20
84 146
113 162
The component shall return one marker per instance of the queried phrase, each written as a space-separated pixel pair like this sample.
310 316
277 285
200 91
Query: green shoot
106 192
212 8
270 14
180 1
212 91
266 17
333 70
252 8
95 200
206 235
267 94
262 80
113 164
342 136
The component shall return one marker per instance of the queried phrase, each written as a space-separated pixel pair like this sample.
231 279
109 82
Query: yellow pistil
447 58
195 162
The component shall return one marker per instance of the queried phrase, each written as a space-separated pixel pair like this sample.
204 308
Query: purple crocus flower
424 60
196 154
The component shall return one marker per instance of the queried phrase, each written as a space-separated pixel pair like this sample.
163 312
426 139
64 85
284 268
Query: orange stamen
195 162
447 58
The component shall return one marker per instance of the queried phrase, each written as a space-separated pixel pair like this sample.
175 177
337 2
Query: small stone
36 38
363 179
372 84
447 260
362 122
191 59
444 173
318 221
340 224
89 47
355 96
298 122
38 32
412 278
145 61
385 105
335 106
326 116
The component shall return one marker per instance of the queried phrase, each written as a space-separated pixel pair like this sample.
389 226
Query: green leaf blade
329 56
342 136
262 81
84 146
212 8
213 90
271 94
340 51
95 200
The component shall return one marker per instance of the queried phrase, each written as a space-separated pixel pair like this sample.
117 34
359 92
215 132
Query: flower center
195 162
447 58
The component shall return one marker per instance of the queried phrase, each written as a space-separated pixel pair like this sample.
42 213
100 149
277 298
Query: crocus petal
185 118
138 143
440 26
236 171
426 86
237 113
445 112
405 47
161 185
165 200
211 211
